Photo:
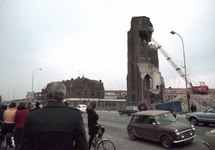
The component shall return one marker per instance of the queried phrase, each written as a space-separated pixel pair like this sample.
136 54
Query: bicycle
8 139
102 144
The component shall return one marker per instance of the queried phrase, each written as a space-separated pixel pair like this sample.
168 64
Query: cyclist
92 121
9 122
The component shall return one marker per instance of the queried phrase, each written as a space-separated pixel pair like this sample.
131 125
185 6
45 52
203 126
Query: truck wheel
120 113
166 142
194 121
132 135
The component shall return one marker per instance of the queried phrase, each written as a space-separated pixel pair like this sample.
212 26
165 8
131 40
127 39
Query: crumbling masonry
144 81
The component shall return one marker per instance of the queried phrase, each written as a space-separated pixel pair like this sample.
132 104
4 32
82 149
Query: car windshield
135 108
210 110
165 118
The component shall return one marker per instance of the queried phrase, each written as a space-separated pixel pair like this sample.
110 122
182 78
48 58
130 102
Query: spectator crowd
52 127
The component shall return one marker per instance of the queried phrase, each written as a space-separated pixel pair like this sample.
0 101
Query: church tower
144 81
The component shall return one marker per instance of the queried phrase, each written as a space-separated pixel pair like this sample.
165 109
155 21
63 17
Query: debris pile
202 102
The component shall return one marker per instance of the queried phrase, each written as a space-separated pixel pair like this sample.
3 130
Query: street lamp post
14 92
188 103
33 77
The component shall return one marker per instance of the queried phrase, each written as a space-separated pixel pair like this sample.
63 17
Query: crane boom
172 63
202 89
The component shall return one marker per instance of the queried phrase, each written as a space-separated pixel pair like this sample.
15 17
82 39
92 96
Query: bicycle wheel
105 145
93 145
4 142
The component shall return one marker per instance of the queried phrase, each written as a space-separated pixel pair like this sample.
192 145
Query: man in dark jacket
37 106
2 109
55 126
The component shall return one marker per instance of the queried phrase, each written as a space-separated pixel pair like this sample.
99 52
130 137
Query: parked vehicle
170 106
128 110
208 139
207 117
82 108
160 126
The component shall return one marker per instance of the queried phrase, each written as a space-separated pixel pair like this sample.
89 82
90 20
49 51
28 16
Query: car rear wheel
132 135
120 113
166 142
194 121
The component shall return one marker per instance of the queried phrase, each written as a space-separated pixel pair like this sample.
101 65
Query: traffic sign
188 96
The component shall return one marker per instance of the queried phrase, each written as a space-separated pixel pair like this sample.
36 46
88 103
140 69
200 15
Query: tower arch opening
147 82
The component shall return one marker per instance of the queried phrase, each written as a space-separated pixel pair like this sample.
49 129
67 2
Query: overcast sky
68 38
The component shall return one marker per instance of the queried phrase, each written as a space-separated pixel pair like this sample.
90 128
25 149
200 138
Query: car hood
175 125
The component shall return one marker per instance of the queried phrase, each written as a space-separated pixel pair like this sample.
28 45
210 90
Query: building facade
84 88
81 88
144 81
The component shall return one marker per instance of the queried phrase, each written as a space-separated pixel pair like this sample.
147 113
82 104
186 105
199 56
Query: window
168 117
151 119
135 108
168 91
92 93
148 119
211 110
78 93
137 119
128 107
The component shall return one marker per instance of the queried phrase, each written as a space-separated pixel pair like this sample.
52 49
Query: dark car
206 117
128 110
160 126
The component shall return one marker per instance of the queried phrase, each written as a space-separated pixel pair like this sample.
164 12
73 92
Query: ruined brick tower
144 81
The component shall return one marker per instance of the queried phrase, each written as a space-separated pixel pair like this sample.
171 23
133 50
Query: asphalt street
115 130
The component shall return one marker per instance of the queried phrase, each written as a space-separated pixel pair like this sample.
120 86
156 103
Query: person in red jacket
142 107
20 120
